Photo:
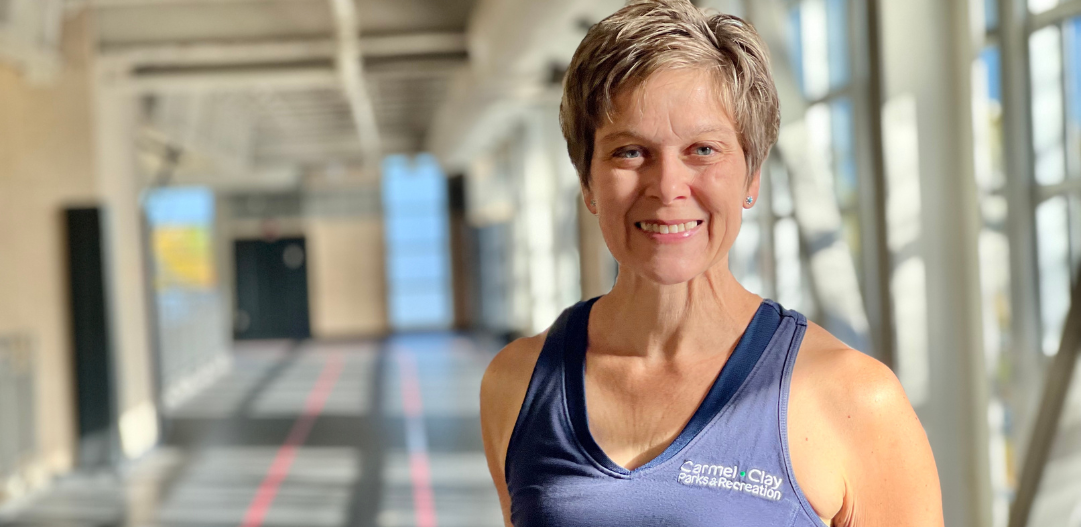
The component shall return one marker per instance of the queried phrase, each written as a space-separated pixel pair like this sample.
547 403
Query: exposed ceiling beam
282 51
435 70
156 3
351 74
315 144
270 78
413 44
321 152
305 133
208 54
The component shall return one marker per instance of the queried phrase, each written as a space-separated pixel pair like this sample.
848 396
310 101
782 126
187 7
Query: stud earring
593 202
750 200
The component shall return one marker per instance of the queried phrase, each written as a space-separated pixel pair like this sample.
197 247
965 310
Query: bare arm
502 391
858 450
890 473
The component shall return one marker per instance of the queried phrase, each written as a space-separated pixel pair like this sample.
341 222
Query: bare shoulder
503 389
831 371
510 370
849 410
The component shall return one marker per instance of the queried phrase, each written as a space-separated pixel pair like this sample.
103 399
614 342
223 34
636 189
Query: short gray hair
621 51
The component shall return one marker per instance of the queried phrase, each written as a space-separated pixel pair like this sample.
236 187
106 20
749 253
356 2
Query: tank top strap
546 385
794 328
790 338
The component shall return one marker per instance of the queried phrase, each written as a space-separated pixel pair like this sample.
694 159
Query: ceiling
246 86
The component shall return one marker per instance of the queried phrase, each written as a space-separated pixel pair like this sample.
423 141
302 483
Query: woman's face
670 160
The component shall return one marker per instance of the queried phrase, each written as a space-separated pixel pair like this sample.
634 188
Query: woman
680 398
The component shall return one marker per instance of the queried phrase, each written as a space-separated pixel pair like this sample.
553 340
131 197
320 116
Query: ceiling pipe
402 46
348 64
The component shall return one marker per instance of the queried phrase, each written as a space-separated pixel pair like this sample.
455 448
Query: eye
628 153
703 150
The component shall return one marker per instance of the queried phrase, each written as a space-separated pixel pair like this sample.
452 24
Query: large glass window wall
418 262
1051 32
994 247
803 236
1054 42
819 46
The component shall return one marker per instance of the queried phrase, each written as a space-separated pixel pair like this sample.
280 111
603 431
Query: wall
46 163
345 277
344 233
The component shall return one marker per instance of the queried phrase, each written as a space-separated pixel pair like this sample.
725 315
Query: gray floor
354 468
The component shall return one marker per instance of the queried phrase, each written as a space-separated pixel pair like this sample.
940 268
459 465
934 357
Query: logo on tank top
753 481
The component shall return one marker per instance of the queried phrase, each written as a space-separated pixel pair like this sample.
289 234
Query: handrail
1054 398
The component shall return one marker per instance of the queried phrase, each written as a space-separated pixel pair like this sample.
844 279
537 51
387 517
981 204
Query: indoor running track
305 434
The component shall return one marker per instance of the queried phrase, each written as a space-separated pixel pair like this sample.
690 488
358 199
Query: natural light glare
789 267
1045 51
815 43
901 137
1040 6
909 289
1052 230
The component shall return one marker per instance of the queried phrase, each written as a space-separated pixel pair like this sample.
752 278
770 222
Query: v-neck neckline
735 371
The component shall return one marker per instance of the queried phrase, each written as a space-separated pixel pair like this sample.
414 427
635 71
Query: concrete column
926 57
119 190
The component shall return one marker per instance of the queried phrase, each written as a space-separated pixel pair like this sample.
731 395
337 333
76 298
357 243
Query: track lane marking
416 439
283 461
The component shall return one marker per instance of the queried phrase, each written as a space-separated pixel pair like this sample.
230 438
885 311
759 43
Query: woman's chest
634 418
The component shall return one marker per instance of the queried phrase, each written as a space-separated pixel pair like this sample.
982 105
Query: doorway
271 289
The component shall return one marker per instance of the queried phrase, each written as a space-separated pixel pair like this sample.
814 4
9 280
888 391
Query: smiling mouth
661 228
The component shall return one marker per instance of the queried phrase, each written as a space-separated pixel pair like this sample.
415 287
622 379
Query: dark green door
271 289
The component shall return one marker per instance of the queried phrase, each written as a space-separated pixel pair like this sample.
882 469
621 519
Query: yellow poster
184 257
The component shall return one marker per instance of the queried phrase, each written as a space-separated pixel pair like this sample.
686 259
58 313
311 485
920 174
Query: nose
669 179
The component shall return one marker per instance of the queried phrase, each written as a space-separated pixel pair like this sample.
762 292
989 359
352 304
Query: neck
644 318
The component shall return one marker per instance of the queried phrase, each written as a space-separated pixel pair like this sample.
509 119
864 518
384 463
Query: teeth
667 229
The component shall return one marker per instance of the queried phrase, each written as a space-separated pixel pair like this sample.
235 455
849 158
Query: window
1015 368
820 55
994 257
418 264
1055 74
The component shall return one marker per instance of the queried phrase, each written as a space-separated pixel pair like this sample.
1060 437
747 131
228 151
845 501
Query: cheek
724 186
718 197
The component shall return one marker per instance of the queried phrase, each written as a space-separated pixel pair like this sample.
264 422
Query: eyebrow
631 135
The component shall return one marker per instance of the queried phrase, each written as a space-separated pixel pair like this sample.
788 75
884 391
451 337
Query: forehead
684 97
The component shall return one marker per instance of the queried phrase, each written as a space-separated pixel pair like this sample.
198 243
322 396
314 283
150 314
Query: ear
752 189
587 197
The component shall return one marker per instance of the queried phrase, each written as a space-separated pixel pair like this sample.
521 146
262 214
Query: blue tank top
728 467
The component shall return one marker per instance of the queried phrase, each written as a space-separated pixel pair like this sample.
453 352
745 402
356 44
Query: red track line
416 441
283 461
